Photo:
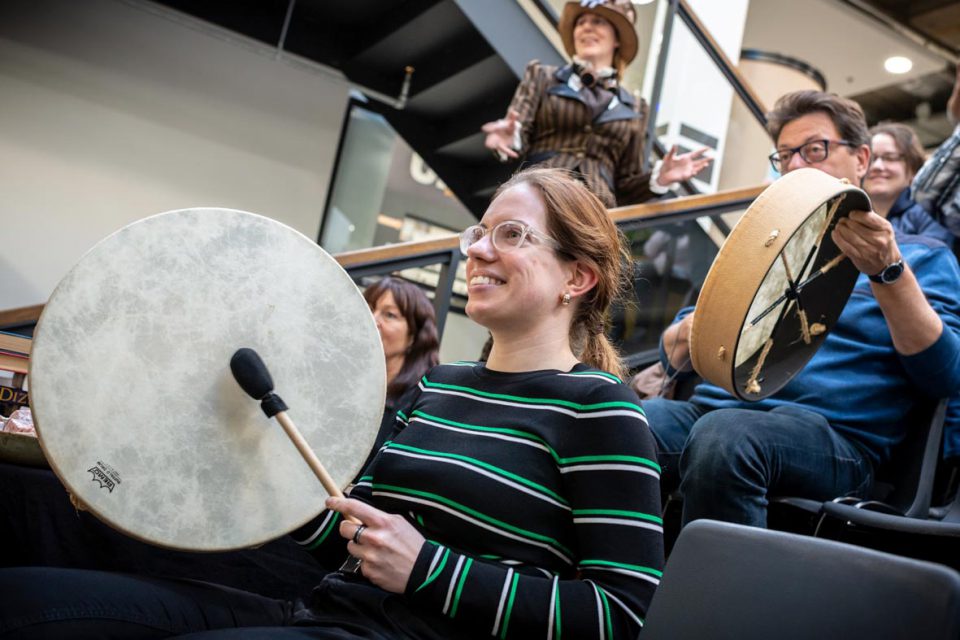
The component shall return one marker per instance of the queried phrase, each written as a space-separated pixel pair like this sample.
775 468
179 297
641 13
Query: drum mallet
251 374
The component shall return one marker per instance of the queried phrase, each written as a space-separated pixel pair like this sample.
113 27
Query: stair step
439 27
335 36
459 91
469 149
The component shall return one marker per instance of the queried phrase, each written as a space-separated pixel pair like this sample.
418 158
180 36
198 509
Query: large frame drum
132 394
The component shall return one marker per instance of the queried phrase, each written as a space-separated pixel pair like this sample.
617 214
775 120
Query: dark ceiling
919 102
462 74
936 20
371 41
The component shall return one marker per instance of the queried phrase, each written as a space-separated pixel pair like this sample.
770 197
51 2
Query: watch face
891 273
796 304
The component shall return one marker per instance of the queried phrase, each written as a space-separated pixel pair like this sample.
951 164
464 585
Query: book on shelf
14 352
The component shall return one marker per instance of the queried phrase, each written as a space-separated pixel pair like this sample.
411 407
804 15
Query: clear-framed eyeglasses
888 158
507 236
811 152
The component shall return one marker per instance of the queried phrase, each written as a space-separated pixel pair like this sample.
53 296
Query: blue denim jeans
728 461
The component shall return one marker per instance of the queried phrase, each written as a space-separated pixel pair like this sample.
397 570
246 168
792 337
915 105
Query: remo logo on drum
105 475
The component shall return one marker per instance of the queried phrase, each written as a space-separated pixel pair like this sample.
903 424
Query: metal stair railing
445 251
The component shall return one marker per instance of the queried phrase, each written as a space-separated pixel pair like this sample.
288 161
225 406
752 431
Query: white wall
111 111
845 45
694 91
463 339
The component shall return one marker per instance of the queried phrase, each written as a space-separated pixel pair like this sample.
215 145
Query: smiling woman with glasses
516 498
895 157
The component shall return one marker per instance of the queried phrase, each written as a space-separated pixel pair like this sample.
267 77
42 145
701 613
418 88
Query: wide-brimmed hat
619 13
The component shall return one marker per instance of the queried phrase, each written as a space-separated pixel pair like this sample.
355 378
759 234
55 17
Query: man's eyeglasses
507 236
811 152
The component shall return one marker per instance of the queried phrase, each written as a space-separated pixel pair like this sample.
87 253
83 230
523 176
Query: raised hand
677 168
500 134
868 240
387 546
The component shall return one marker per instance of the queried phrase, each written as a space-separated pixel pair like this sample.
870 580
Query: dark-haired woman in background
408 330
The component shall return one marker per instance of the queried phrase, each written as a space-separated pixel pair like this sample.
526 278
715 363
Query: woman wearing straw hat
579 117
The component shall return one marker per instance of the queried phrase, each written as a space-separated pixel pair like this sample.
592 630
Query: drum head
777 286
134 402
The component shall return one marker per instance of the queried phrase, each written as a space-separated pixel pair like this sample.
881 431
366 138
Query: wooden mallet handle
311 459
253 377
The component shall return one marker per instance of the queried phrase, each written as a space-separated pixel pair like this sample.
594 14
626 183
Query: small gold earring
565 299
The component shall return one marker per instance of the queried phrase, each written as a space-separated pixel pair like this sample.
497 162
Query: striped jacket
559 130
539 497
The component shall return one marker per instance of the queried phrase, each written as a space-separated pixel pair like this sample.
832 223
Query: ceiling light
898 64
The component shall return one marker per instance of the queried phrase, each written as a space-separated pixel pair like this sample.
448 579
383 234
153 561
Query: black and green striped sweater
539 496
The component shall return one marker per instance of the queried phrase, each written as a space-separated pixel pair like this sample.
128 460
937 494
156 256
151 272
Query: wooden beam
619 215
638 211
395 251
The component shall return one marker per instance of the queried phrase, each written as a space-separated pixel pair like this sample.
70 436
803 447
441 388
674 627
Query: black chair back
904 485
914 462
730 581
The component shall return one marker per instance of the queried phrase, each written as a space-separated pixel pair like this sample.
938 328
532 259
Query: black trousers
40 528
44 602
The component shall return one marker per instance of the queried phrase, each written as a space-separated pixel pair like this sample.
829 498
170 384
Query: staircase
467 56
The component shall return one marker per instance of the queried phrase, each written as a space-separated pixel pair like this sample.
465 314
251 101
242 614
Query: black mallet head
251 374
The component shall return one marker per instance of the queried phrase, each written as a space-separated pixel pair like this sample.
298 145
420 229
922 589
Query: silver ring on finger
358 533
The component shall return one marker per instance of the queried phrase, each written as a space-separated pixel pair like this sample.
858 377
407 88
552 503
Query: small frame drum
132 394
777 286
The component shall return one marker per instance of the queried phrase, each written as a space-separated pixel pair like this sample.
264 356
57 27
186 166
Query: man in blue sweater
896 343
